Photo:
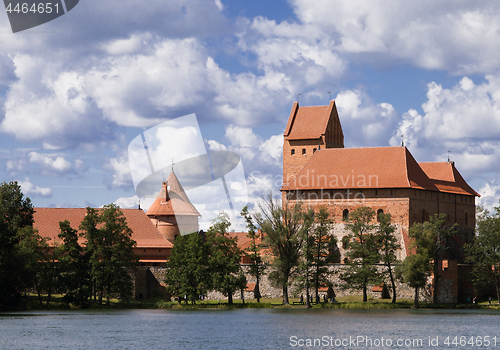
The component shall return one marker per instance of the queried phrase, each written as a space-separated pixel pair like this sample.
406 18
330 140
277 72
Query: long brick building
319 171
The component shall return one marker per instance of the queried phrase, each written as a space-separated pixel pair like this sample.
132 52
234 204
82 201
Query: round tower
172 213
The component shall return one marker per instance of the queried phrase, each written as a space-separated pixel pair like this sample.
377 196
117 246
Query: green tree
363 251
388 247
16 213
225 257
323 244
257 264
414 270
35 255
109 248
188 268
484 252
73 267
429 241
285 227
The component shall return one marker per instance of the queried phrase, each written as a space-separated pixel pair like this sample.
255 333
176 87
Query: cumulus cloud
128 202
31 190
120 173
364 122
460 37
50 164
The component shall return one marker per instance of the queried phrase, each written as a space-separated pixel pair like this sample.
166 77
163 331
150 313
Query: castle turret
308 130
172 213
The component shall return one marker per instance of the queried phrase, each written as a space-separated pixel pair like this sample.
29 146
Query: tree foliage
484 252
16 221
257 264
188 268
225 257
388 246
284 227
363 251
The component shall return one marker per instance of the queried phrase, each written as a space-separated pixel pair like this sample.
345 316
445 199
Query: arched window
303 151
314 150
466 219
345 215
380 211
292 152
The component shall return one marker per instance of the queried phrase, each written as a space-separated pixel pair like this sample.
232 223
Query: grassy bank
346 302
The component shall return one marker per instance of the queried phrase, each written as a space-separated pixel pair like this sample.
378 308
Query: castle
320 172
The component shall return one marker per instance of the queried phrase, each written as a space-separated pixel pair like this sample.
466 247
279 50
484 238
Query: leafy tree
73 267
306 265
188 268
16 214
414 270
484 252
388 247
35 254
323 244
429 241
363 251
285 227
225 256
257 265
109 249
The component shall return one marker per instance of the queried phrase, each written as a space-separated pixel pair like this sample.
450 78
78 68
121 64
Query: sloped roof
373 167
172 200
309 122
447 178
143 231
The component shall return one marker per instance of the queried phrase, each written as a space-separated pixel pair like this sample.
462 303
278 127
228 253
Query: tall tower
308 130
172 213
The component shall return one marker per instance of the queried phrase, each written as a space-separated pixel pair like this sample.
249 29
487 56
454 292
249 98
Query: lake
251 329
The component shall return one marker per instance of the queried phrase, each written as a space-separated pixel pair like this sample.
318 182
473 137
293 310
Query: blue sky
76 91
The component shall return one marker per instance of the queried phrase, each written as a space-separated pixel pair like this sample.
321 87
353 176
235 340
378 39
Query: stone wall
268 291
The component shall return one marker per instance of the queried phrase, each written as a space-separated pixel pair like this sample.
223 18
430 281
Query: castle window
303 151
445 265
376 192
345 215
466 219
380 211
293 152
314 150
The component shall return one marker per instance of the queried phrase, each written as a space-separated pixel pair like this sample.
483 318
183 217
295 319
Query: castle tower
172 213
309 129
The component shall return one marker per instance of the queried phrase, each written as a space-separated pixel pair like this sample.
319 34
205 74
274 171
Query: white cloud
120 170
364 122
51 165
458 36
128 202
29 189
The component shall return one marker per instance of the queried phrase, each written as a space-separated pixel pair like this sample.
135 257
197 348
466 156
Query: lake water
251 329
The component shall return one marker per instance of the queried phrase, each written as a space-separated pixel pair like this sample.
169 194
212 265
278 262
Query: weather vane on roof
173 164
298 96
402 140
449 156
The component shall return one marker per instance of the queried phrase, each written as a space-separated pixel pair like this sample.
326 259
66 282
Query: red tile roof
143 231
373 167
172 200
309 122
447 178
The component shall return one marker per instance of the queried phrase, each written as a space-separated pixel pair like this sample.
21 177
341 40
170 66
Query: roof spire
173 164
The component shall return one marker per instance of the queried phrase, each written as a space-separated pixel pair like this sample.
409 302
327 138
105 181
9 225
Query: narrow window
303 151
292 152
380 211
345 215
376 192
